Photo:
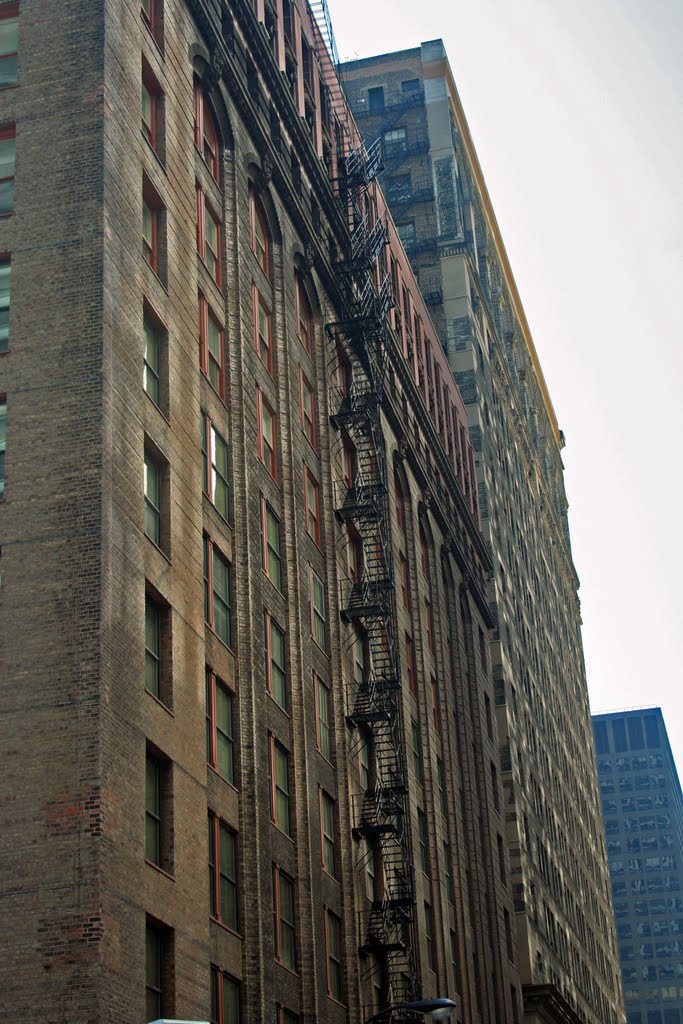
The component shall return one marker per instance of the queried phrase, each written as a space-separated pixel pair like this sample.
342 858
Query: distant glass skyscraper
643 810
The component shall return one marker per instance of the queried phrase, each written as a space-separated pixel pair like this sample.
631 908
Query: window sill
333 999
277 704
10 85
216 392
222 778
6 216
161 871
225 927
290 970
220 639
160 550
216 284
157 700
155 153
282 833
325 759
158 408
326 874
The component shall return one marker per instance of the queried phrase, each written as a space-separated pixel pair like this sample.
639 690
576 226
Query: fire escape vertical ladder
367 602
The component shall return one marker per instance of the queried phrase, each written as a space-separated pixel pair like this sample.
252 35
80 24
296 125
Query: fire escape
386 929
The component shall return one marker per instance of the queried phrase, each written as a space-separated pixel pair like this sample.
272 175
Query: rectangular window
435 706
410 667
152 224
364 746
9 44
501 860
270 544
348 462
422 836
441 782
152 108
283 919
279 786
220 748
266 427
450 881
154 971
158 806
152 488
216 481
429 936
222 872
211 347
225 998
152 17
3 443
151 373
322 717
260 238
344 374
285 1016
312 507
429 625
404 582
205 134
334 956
217 591
354 554
317 601
303 317
376 100
208 235
275 661
152 646
263 333
307 407
7 162
417 751
359 644
327 831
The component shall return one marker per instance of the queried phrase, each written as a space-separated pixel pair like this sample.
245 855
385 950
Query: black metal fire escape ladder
374 701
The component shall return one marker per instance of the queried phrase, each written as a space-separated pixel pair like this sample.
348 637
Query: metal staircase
386 926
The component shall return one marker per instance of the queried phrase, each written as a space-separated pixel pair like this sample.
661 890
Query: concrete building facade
249 743
642 806
435 188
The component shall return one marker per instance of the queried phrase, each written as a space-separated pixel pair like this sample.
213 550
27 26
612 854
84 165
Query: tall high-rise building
642 806
435 188
249 746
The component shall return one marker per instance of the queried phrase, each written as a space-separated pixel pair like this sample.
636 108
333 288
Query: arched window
205 133
260 235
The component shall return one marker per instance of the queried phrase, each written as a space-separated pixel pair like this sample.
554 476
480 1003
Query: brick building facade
247 697
435 188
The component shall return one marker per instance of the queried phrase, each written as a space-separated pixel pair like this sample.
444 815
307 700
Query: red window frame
277 914
213 681
207 359
262 344
269 623
312 515
265 508
311 574
154 91
429 626
304 317
218 977
215 824
344 373
348 456
410 666
354 553
152 202
260 249
152 18
266 454
204 210
307 415
326 837
360 655
319 681
285 827
331 994
205 132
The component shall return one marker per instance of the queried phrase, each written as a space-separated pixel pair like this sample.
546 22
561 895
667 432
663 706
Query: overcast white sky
575 107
